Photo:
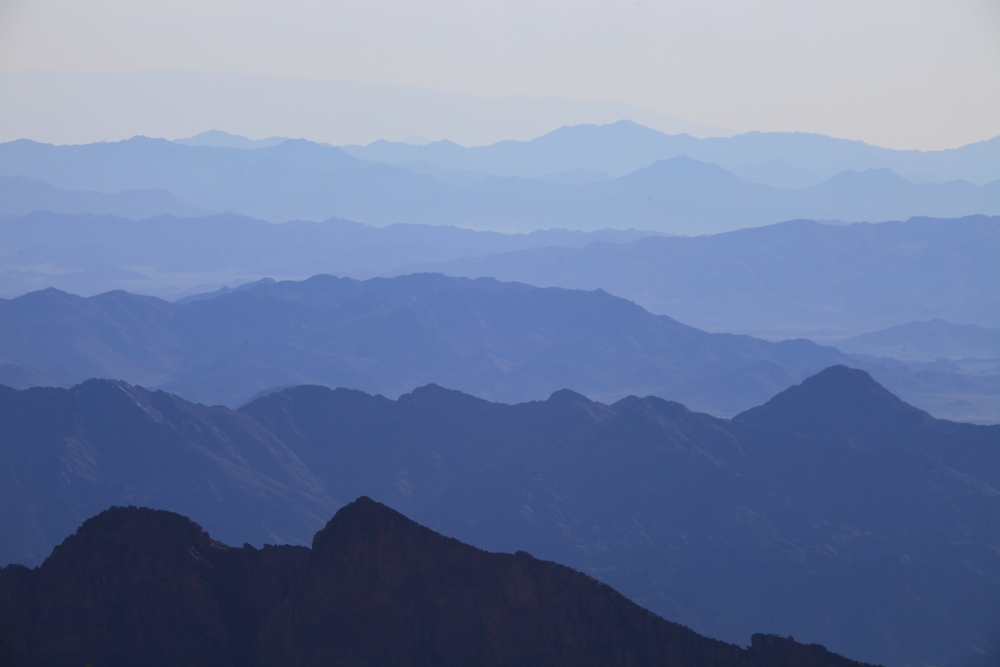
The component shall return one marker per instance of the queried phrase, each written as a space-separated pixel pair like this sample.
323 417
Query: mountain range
173 256
798 278
833 512
503 341
932 339
375 588
297 179
21 195
779 159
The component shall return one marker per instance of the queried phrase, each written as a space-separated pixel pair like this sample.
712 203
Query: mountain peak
838 400
365 520
132 533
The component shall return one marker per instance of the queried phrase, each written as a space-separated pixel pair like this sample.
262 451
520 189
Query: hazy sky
899 73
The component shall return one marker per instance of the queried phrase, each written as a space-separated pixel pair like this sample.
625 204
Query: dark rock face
141 586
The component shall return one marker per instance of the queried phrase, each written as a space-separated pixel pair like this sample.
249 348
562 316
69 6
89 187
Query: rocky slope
140 586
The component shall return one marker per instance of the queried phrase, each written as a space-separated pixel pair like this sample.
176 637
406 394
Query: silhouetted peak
436 393
365 521
47 295
135 531
568 397
838 398
842 384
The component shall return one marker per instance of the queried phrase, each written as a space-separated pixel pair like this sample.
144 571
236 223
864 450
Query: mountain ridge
297 179
493 339
773 521
374 587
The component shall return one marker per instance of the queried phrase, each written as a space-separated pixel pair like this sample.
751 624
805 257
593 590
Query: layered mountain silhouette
932 339
799 277
297 179
502 341
20 195
834 512
169 256
141 586
623 147
116 443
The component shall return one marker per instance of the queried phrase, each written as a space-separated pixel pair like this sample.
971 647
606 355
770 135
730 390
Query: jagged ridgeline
135 586
835 512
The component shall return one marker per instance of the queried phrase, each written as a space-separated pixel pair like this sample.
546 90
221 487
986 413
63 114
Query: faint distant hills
20 195
780 159
70 107
798 278
933 339
794 279
833 512
170 256
219 139
578 178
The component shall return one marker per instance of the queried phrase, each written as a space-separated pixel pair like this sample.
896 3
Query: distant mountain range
799 278
503 341
170 257
834 512
779 159
20 195
70 107
933 339
141 586
297 179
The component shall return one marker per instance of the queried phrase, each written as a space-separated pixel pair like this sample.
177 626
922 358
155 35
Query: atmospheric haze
700 298
896 73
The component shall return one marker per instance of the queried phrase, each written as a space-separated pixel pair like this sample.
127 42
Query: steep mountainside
139 586
502 341
867 502
835 512
70 453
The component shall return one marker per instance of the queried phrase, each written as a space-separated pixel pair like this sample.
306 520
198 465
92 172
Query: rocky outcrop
141 586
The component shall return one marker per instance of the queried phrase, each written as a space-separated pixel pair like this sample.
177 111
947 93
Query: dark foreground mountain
502 341
835 512
139 586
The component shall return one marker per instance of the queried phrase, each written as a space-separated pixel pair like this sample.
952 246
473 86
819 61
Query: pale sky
898 73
